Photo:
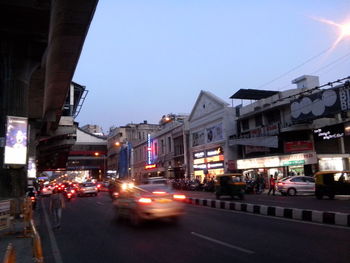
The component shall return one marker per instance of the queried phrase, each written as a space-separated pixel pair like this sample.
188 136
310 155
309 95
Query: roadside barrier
330 218
10 255
37 247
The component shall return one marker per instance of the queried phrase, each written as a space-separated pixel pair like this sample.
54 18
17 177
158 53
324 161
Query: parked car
294 185
331 183
149 201
87 189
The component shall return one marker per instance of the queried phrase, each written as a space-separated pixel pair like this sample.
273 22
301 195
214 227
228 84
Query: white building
211 123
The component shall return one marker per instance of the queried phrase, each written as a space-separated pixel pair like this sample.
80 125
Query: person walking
272 185
56 205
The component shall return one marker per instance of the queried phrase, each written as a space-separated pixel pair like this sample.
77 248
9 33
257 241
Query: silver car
149 202
294 185
87 189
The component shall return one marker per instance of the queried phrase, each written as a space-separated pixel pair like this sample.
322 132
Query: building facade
163 152
210 124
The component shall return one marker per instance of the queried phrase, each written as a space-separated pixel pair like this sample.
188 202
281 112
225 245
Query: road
89 233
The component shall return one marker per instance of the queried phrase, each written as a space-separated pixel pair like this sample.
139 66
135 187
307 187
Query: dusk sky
143 59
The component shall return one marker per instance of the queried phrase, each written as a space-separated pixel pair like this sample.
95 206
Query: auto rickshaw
331 183
230 184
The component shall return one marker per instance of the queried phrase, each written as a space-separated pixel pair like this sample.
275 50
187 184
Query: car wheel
292 192
331 196
319 195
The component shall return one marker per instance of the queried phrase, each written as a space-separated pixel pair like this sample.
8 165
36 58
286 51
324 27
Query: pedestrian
272 185
56 205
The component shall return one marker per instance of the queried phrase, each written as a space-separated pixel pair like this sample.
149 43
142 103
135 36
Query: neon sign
150 166
149 149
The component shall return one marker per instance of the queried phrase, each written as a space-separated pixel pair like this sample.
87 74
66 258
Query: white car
46 190
294 185
87 189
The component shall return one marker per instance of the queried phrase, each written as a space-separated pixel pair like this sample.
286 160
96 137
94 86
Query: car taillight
144 200
116 194
98 186
72 191
179 197
32 198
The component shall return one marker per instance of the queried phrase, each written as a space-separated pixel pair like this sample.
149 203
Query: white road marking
99 203
274 217
223 243
55 250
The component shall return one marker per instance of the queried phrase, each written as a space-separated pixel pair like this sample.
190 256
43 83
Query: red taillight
158 192
144 200
116 194
69 194
72 191
179 197
32 198
98 186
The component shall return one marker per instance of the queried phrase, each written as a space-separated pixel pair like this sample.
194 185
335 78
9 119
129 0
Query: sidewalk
23 245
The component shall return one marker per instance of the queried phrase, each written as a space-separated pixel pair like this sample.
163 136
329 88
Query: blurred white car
87 189
294 185
149 202
46 190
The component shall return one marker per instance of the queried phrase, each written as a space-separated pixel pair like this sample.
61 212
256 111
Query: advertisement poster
214 133
198 138
16 140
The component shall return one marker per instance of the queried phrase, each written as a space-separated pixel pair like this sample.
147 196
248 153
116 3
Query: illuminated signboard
200 166
16 140
149 149
215 158
150 166
215 165
329 132
198 155
198 161
31 168
214 152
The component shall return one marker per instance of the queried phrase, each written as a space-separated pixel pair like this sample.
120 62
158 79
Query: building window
169 144
258 120
162 145
273 117
245 124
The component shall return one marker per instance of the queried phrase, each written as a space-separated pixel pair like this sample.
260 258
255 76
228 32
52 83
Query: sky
143 59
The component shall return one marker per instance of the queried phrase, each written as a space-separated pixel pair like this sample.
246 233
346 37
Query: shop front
279 166
208 163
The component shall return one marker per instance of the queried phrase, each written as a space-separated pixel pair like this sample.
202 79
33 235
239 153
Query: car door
310 186
299 184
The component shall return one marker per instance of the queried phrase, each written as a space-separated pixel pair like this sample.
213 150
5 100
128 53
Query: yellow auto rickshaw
231 184
331 183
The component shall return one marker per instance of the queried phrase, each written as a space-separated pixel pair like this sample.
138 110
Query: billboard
16 140
321 104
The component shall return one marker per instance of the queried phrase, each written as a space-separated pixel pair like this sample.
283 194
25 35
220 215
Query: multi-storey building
210 123
93 129
163 152
128 135
276 132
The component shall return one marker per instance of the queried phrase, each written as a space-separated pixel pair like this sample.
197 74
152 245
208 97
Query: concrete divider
331 218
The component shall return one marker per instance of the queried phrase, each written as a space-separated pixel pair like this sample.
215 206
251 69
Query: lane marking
99 203
273 217
223 243
54 247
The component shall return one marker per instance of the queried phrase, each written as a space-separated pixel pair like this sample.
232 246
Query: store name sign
198 155
214 152
278 161
149 149
327 135
150 166
215 165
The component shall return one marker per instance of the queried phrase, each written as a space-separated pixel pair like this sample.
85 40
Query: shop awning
266 141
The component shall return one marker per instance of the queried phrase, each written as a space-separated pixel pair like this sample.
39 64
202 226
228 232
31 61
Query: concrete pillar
18 60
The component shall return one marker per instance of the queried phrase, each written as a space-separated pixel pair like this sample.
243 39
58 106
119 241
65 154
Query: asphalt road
89 233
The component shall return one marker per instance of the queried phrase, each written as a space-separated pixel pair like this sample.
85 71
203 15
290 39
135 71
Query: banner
16 140
214 133
321 104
